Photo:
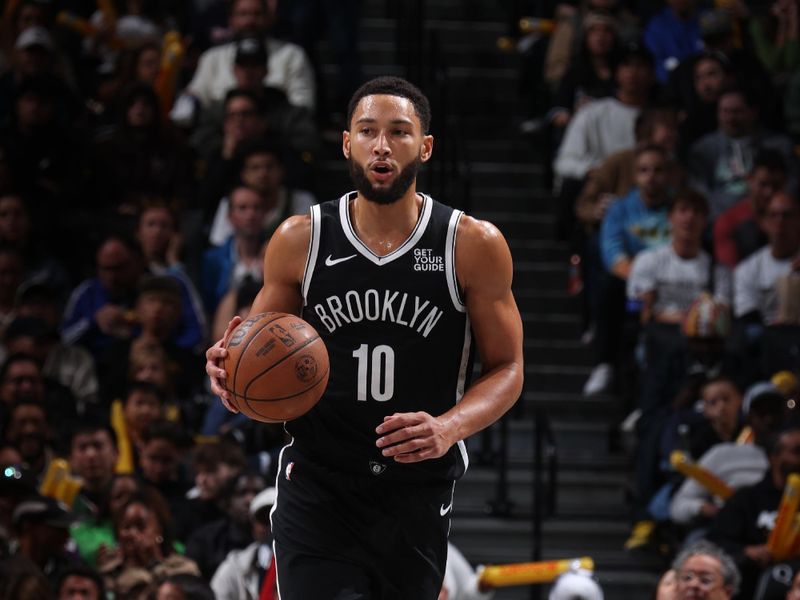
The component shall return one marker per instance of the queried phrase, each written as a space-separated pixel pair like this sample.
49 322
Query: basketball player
398 286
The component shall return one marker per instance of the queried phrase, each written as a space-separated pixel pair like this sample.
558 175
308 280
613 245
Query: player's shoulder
294 231
478 232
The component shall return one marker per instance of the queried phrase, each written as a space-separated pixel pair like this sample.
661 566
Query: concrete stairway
506 183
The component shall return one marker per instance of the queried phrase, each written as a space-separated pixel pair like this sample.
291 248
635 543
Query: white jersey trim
363 249
313 250
450 261
462 382
275 506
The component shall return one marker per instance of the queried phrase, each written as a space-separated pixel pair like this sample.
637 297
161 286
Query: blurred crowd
148 150
673 131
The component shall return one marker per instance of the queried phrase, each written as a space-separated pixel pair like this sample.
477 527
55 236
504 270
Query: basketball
277 367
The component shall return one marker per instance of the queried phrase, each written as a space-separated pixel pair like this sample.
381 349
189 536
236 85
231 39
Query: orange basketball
277 367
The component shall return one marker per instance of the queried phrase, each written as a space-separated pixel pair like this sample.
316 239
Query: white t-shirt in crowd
596 131
754 284
288 69
221 228
676 281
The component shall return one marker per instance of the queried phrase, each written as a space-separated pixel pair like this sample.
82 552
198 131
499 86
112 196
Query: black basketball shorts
345 537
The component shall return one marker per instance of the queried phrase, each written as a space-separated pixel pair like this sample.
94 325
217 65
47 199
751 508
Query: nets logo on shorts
376 468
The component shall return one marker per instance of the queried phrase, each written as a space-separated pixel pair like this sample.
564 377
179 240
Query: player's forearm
488 399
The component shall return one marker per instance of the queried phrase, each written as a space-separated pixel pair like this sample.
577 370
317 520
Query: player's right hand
216 374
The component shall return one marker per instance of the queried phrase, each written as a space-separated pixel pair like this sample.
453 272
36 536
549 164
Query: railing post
537 496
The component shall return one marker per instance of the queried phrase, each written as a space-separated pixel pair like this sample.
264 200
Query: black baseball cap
251 51
43 510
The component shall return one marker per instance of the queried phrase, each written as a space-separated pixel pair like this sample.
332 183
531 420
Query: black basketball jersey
397 333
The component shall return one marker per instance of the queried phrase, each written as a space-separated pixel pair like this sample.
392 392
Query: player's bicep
485 269
284 266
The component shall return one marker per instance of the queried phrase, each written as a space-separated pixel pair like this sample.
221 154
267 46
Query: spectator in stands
146 554
162 449
48 160
209 545
606 126
28 431
756 297
666 280
225 266
16 230
262 168
591 74
743 524
776 39
288 67
100 309
243 123
635 222
80 583
141 406
12 272
42 525
616 175
672 35
215 465
719 162
667 588
70 366
141 155
737 464
184 587
244 572
236 301
703 570
696 95
292 125
157 314
93 457
737 231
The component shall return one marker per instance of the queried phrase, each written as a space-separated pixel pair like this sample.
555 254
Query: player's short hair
692 198
393 86
730 573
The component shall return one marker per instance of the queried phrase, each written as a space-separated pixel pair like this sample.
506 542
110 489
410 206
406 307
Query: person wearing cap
41 526
606 126
293 125
288 66
243 573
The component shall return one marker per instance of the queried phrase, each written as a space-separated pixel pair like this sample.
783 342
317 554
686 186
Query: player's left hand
413 437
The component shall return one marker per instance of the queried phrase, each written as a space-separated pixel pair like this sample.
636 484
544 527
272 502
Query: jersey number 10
379 371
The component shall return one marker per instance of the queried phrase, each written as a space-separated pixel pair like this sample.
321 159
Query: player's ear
346 143
427 148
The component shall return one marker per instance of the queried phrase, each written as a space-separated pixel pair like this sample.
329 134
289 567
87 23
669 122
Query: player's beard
394 192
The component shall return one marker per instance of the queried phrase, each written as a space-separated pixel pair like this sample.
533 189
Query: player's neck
384 227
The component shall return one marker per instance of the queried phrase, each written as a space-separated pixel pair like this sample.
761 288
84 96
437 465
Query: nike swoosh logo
330 261
443 510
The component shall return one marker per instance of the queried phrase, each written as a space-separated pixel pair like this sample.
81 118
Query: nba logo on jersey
424 260
376 468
